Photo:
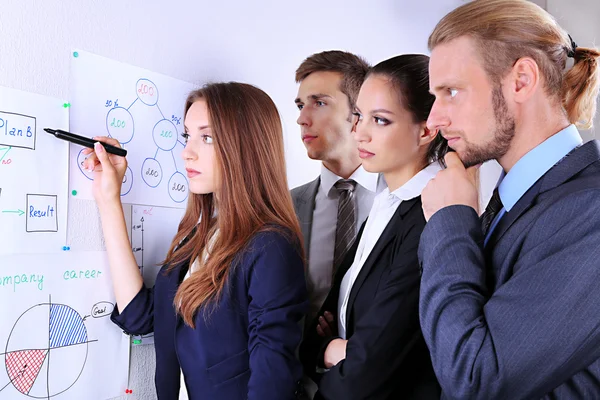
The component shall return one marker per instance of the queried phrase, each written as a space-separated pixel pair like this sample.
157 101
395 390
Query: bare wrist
110 206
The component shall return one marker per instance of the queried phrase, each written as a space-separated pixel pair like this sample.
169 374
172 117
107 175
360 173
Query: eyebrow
381 111
200 128
438 88
445 86
317 96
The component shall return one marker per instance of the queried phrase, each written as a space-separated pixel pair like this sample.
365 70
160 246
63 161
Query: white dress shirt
384 207
322 238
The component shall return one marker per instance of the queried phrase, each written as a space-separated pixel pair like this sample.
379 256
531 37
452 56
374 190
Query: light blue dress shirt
531 167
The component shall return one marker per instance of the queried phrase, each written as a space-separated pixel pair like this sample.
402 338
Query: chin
200 189
370 167
313 155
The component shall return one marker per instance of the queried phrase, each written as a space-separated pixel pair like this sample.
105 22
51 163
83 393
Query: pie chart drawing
46 351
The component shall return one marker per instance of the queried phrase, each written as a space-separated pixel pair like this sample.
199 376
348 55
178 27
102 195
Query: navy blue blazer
247 348
520 318
386 356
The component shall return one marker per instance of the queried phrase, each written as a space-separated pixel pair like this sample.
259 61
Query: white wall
541 3
260 42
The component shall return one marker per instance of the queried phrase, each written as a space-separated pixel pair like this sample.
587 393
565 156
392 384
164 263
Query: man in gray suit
510 304
333 206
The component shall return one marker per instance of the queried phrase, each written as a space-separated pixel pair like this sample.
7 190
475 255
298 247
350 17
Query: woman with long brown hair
228 303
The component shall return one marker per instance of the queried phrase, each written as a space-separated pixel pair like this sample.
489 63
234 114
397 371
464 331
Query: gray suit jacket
519 319
304 204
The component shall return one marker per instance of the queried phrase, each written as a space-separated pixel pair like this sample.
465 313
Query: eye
320 103
358 116
453 92
207 139
381 121
185 137
300 106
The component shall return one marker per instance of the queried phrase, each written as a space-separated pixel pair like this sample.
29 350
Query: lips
192 172
308 138
362 153
452 140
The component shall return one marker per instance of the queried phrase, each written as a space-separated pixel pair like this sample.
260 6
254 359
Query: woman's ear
426 136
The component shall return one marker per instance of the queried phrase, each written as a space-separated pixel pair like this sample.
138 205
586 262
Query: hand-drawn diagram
18 131
44 337
152 231
120 125
147 122
33 173
62 347
138 251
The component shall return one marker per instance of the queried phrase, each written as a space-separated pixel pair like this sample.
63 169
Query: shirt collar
533 165
365 179
415 185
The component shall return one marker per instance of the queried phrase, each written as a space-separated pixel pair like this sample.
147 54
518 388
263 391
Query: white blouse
384 207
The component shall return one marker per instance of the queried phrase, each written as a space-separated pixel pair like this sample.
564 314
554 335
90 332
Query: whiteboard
56 337
33 173
143 110
151 231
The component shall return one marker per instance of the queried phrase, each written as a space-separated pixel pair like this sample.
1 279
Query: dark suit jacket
386 356
519 319
247 348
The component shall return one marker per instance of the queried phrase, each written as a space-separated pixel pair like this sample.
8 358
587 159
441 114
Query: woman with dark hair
228 304
367 342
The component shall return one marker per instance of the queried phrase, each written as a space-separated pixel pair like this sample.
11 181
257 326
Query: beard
502 138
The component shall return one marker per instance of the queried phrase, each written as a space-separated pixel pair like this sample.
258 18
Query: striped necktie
345 230
492 209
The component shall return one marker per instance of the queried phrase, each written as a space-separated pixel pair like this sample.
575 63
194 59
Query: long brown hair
506 30
253 192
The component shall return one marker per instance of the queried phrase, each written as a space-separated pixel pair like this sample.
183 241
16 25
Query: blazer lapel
391 231
305 206
331 301
576 161
175 278
510 217
572 164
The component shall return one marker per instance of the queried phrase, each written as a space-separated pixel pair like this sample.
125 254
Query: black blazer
386 355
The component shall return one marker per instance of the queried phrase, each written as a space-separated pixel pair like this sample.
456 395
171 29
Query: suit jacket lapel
510 217
576 161
572 164
331 302
391 231
305 206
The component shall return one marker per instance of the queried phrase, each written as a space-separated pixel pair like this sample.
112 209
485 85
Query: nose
304 118
361 133
438 117
188 153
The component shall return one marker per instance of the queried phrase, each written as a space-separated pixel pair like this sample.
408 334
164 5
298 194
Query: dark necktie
345 230
492 209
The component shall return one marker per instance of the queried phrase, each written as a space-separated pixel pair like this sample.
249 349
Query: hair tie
571 51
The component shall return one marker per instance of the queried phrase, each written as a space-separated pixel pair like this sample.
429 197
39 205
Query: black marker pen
86 142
